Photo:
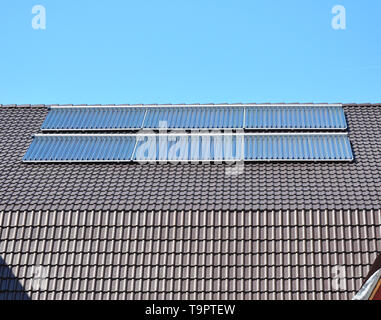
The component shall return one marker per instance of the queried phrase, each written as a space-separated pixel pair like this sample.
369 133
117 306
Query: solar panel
80 148
301 117
87 118
203 147
93 118
189 147
194 118
298 147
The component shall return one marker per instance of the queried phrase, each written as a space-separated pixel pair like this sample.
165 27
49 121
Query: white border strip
296 130
194 161
200 105
190 134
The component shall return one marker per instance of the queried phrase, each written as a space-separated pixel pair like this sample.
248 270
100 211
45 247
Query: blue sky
177 51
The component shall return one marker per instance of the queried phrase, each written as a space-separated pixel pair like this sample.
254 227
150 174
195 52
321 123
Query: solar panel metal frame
205 105
187 160
55 130
303 134
298 129
202 161
146 128
79 161
244 120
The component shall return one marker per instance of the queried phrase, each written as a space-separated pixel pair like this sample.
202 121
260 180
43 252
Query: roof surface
189 255
261 186
189 231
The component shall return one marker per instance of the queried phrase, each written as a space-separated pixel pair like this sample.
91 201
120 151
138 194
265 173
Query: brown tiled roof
190 255
189 231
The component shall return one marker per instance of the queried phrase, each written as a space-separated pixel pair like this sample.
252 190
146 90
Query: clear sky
189 51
